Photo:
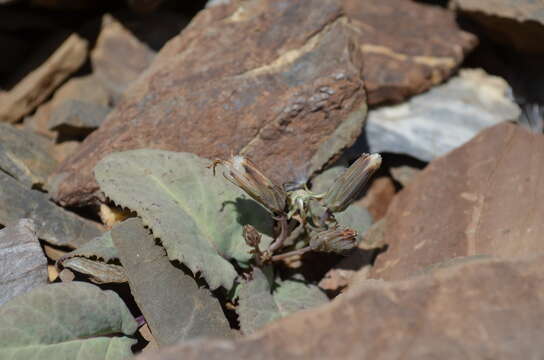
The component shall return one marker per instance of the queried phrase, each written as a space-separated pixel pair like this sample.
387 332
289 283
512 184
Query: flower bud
348 186
244 174
251 236
334 240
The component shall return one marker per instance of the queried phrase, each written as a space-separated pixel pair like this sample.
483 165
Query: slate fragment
25 155
407 47
482 198
515 23
53 224
23 265
171 301
297 68
75 118
38 85
477 310
431 124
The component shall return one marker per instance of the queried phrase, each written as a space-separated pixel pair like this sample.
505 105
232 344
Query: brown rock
491 309
119 57
482 198
517 23
378 196
282 86
407 47
39 84
86 89
75 118
404 174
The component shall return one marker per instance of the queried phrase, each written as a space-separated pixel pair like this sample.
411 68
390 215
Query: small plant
305 220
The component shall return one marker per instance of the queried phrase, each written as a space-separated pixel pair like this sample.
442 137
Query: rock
407 47
482 198
515 23
53 224
485 309
64 149
284 88
75 118
86 89
26 156
23 265
39 84
119 57
431 124
404 174
379 194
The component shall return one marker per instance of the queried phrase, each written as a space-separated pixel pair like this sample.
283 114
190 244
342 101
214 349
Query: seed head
251 236
243 173
346 188
334 240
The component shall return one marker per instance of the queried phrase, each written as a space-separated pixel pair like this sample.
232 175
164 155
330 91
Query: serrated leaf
261 302
66 321
171 301
198 217
95 258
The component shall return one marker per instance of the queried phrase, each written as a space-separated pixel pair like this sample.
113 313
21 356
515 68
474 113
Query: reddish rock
378 196
488 309
483 198
516 23
281 84
407 47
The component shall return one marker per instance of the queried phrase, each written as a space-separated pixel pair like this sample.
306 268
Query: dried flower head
244 174
346 188
334 240
251 236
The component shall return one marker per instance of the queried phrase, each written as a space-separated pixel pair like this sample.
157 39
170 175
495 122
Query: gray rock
53 224
431 124
23 265
25 156
77 118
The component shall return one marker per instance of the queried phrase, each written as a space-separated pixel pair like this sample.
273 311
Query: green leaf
96 258
198 217
259 305
66 321
171 301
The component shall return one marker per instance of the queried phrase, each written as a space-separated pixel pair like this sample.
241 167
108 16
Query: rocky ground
117 240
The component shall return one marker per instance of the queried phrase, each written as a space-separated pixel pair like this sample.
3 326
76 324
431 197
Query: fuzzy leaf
198 217
66 321
171 301
259 305
95 258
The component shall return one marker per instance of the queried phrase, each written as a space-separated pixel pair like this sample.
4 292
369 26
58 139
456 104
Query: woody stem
284 232
291 253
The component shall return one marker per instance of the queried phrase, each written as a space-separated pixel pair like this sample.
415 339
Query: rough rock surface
75 118
119 57
482 309
482 198
283 86
517 23
407 47
39 84
26 156
431 124
378 196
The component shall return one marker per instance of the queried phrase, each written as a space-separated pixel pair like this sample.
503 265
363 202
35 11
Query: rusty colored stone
38 85
516 23
282 86
407 47
487 309
484 198
378 196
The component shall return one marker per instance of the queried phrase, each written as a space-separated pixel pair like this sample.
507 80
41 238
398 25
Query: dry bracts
336 240
244 174
350 184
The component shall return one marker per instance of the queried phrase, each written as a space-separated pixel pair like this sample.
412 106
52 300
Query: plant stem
291 253
284 232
